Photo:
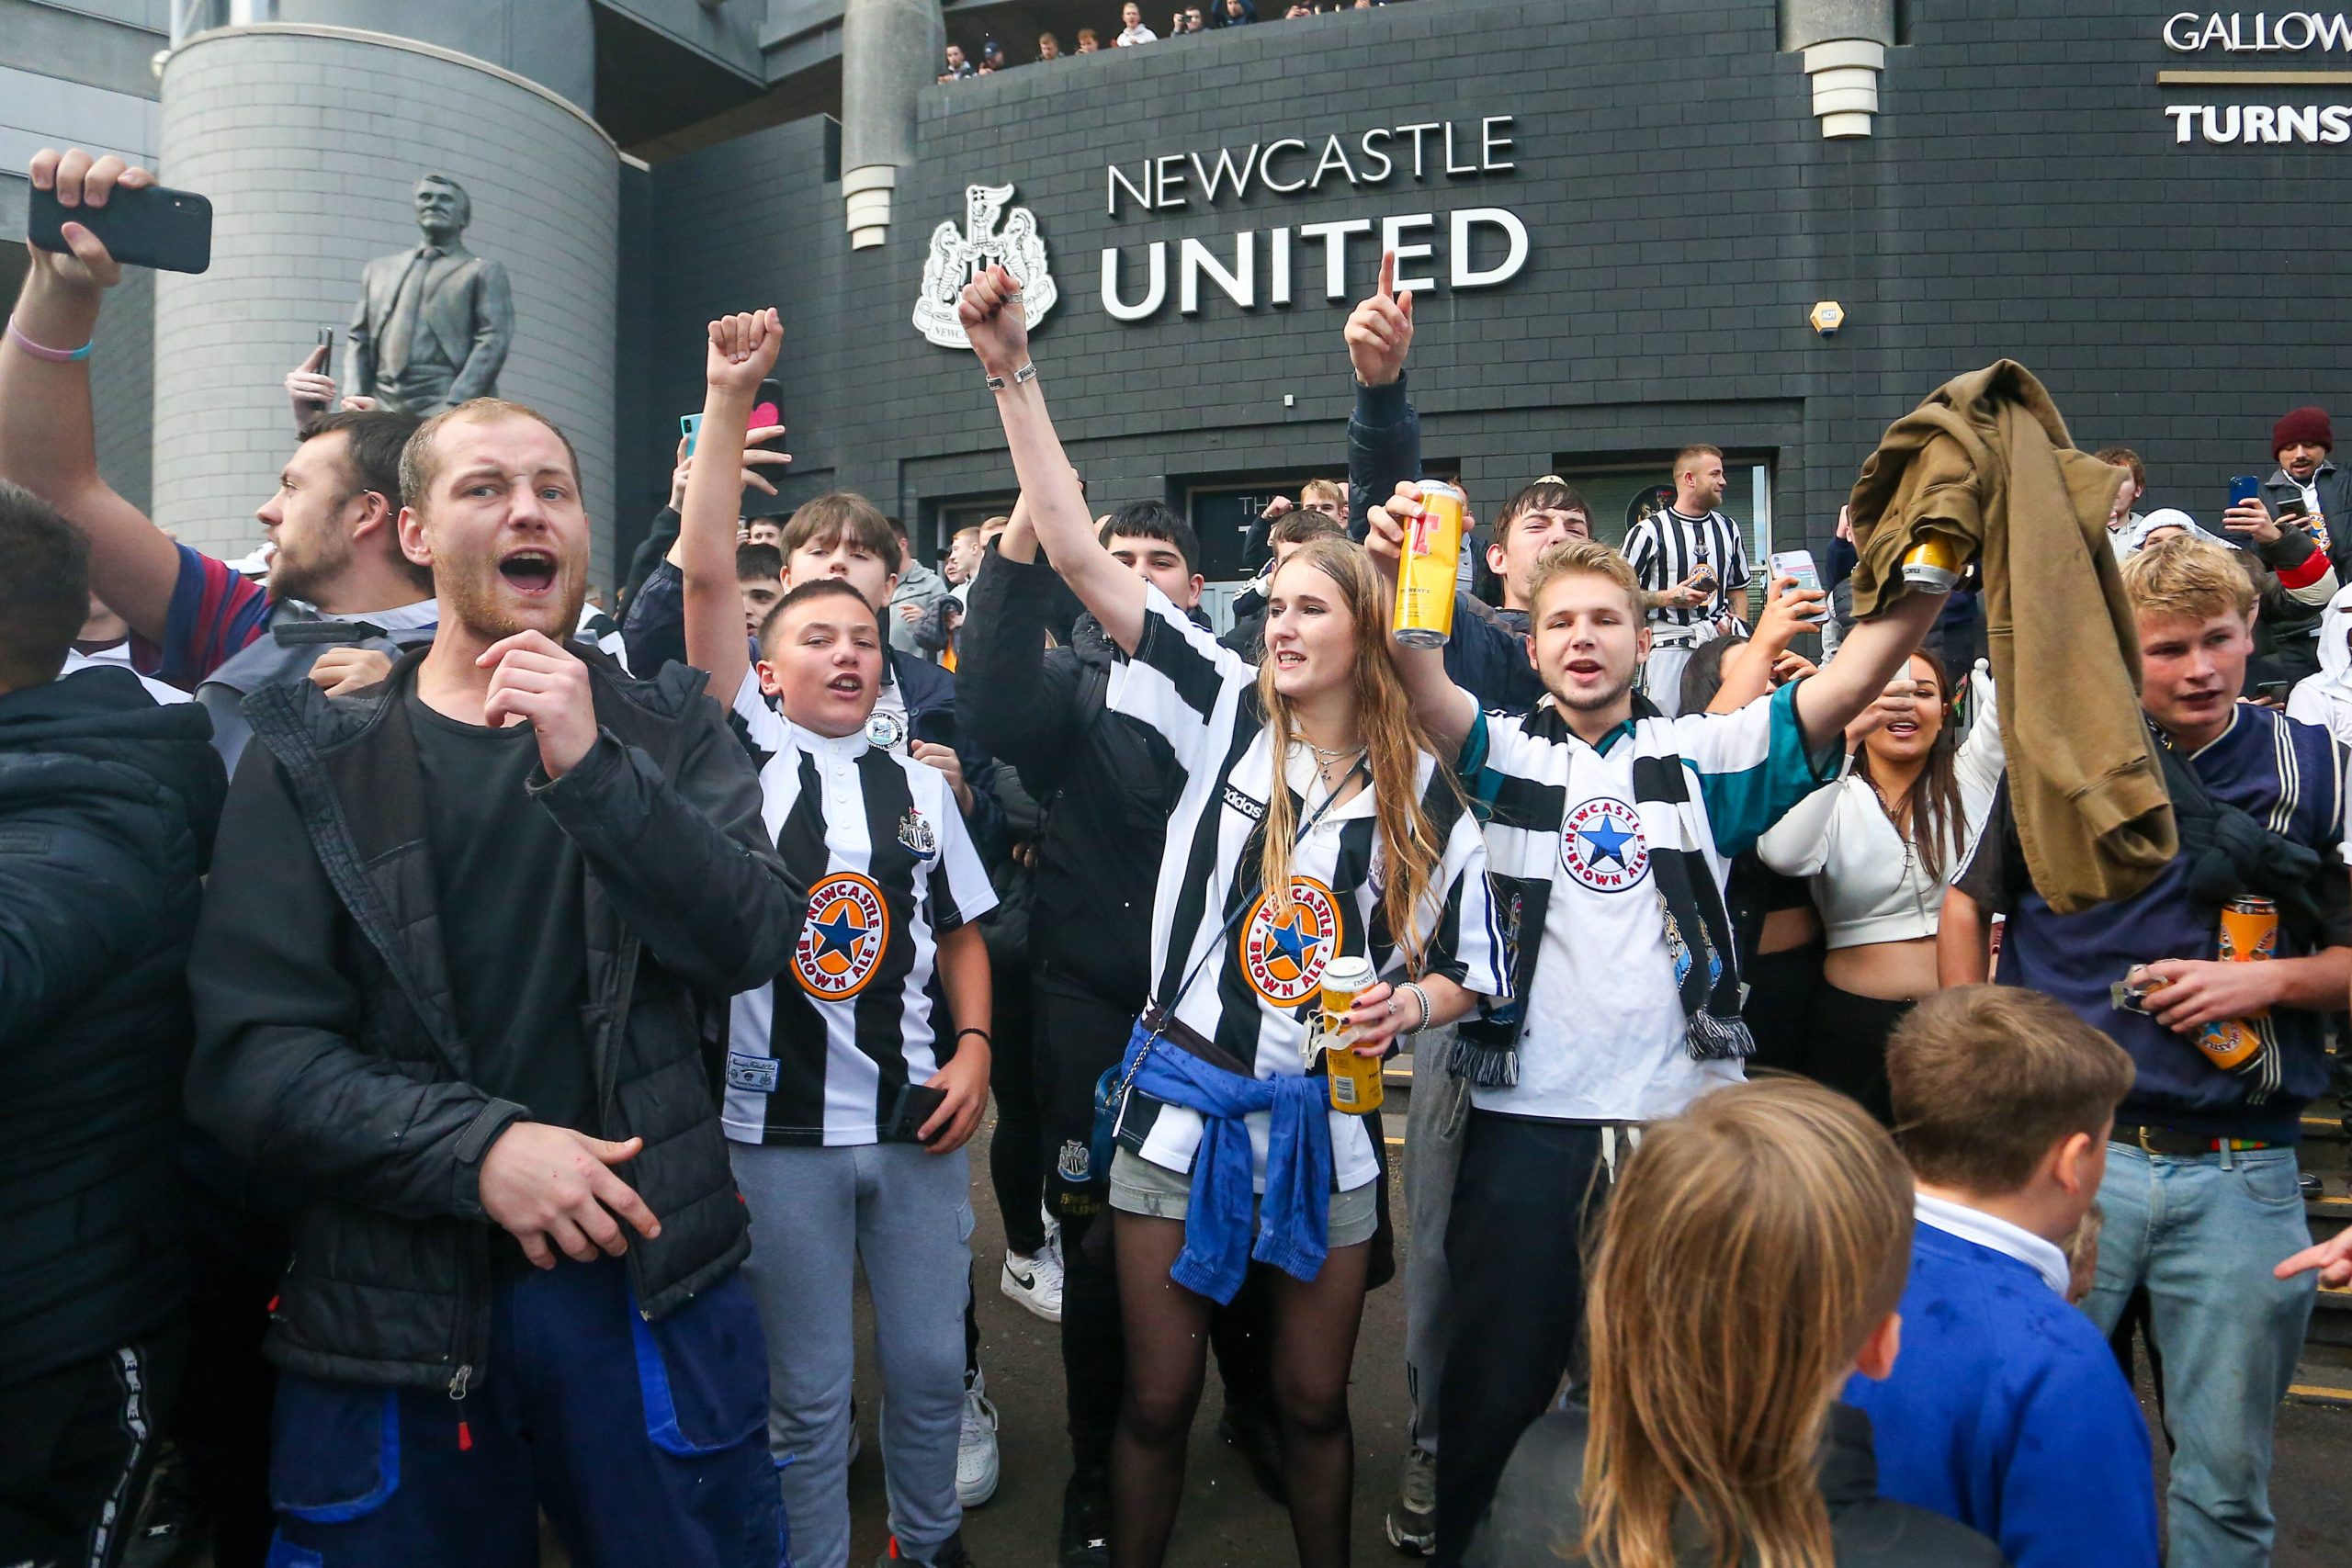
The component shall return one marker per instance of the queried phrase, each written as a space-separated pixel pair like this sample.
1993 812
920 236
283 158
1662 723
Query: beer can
2250 930
1933 564
2248 934
1355 1080
1425 573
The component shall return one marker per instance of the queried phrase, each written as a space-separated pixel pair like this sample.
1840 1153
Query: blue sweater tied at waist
1295 1218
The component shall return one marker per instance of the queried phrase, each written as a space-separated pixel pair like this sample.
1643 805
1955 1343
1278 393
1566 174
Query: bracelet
55 355
1423 996
982 1033
1027 373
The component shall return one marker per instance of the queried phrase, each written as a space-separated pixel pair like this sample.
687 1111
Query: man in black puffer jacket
462 973
108 806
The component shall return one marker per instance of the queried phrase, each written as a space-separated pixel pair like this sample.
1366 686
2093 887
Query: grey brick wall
2022 197
310 147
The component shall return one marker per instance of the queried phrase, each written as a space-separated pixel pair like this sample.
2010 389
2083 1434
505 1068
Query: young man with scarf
1610 832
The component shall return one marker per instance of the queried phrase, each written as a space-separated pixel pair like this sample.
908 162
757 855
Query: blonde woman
1313 824
1754 1252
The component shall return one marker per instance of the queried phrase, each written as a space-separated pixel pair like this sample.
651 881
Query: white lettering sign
2290 32
1174 182
1482 247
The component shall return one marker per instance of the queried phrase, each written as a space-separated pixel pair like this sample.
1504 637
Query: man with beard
339 597
469 930
1610 829
197 624
1690 561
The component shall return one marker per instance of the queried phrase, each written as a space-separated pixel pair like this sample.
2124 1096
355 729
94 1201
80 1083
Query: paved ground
1227 1523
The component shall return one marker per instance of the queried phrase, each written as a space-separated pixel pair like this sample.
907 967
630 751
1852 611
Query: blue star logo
841 934
1296 945
1608 842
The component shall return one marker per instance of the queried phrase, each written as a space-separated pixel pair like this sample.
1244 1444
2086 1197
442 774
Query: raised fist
995 321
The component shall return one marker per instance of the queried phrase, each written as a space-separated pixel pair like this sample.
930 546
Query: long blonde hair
1394 744
1749 1250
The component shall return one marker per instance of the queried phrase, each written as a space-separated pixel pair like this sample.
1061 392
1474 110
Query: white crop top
1867 883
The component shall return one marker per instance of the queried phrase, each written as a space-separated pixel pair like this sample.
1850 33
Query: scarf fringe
1484 1066
1714 1039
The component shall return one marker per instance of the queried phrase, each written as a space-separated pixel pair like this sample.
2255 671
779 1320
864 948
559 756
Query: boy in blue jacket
2007 1411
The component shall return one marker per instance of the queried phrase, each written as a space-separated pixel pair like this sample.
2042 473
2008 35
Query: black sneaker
1086 1521
951 1554
1250 1429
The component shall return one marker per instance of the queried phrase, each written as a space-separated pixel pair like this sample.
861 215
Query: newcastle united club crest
956 258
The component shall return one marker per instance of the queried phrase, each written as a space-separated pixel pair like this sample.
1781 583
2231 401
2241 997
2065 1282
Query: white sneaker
1035 1281
976 1461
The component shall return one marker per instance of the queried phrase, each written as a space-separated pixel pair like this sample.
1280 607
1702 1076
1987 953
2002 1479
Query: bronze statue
433 324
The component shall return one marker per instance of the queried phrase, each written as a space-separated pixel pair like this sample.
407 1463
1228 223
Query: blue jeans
645 1442
2202 1234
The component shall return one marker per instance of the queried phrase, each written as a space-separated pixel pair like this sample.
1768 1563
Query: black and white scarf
1525 817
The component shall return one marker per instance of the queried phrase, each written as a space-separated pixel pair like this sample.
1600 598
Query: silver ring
1392 1006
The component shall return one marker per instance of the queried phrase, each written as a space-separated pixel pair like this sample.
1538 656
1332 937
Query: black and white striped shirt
1666 548
818 1054
1255 997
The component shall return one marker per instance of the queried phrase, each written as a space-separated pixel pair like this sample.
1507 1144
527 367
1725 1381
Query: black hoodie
108 806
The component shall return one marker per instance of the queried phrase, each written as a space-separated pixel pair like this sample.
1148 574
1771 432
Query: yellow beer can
1426 572
1355 1080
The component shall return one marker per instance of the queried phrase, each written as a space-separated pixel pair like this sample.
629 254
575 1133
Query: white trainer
1035 1281
976 1461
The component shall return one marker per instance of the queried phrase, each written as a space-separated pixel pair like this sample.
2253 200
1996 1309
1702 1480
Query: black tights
1168 1327
1017 1151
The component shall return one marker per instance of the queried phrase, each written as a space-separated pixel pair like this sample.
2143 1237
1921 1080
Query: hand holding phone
1796 564
2252 518
124 220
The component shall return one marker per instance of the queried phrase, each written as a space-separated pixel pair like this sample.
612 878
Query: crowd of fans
1211 17
459 1046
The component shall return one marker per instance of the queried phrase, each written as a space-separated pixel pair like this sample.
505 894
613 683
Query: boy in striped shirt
855 1078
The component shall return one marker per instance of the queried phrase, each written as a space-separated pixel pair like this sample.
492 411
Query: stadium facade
1621 220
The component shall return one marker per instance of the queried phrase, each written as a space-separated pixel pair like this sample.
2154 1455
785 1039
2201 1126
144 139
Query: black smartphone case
151 226
915 1106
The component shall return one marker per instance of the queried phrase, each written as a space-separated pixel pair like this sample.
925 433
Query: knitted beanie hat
2307 425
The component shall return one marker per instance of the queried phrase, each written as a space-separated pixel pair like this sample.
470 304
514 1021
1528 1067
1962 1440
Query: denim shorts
1139 1187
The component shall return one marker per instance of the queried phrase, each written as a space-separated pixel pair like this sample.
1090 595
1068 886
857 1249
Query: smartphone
2245 488
326 341
690 426
1797 564
144 226
915 1106
767 406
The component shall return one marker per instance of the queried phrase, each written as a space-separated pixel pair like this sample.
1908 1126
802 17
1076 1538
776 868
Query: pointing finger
1387 286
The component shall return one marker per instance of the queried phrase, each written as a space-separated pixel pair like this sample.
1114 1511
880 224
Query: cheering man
1610 829
467 935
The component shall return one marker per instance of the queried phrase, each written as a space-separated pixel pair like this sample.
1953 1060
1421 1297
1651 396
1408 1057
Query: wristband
982 1033
61 356
1427 1012
998 383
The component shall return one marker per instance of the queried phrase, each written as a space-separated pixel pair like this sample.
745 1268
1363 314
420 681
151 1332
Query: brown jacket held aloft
1985 464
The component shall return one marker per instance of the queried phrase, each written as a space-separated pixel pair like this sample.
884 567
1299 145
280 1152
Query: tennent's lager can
1425 574
1355 1080
2249 933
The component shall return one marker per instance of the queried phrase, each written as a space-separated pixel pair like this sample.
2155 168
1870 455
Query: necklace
1327 755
